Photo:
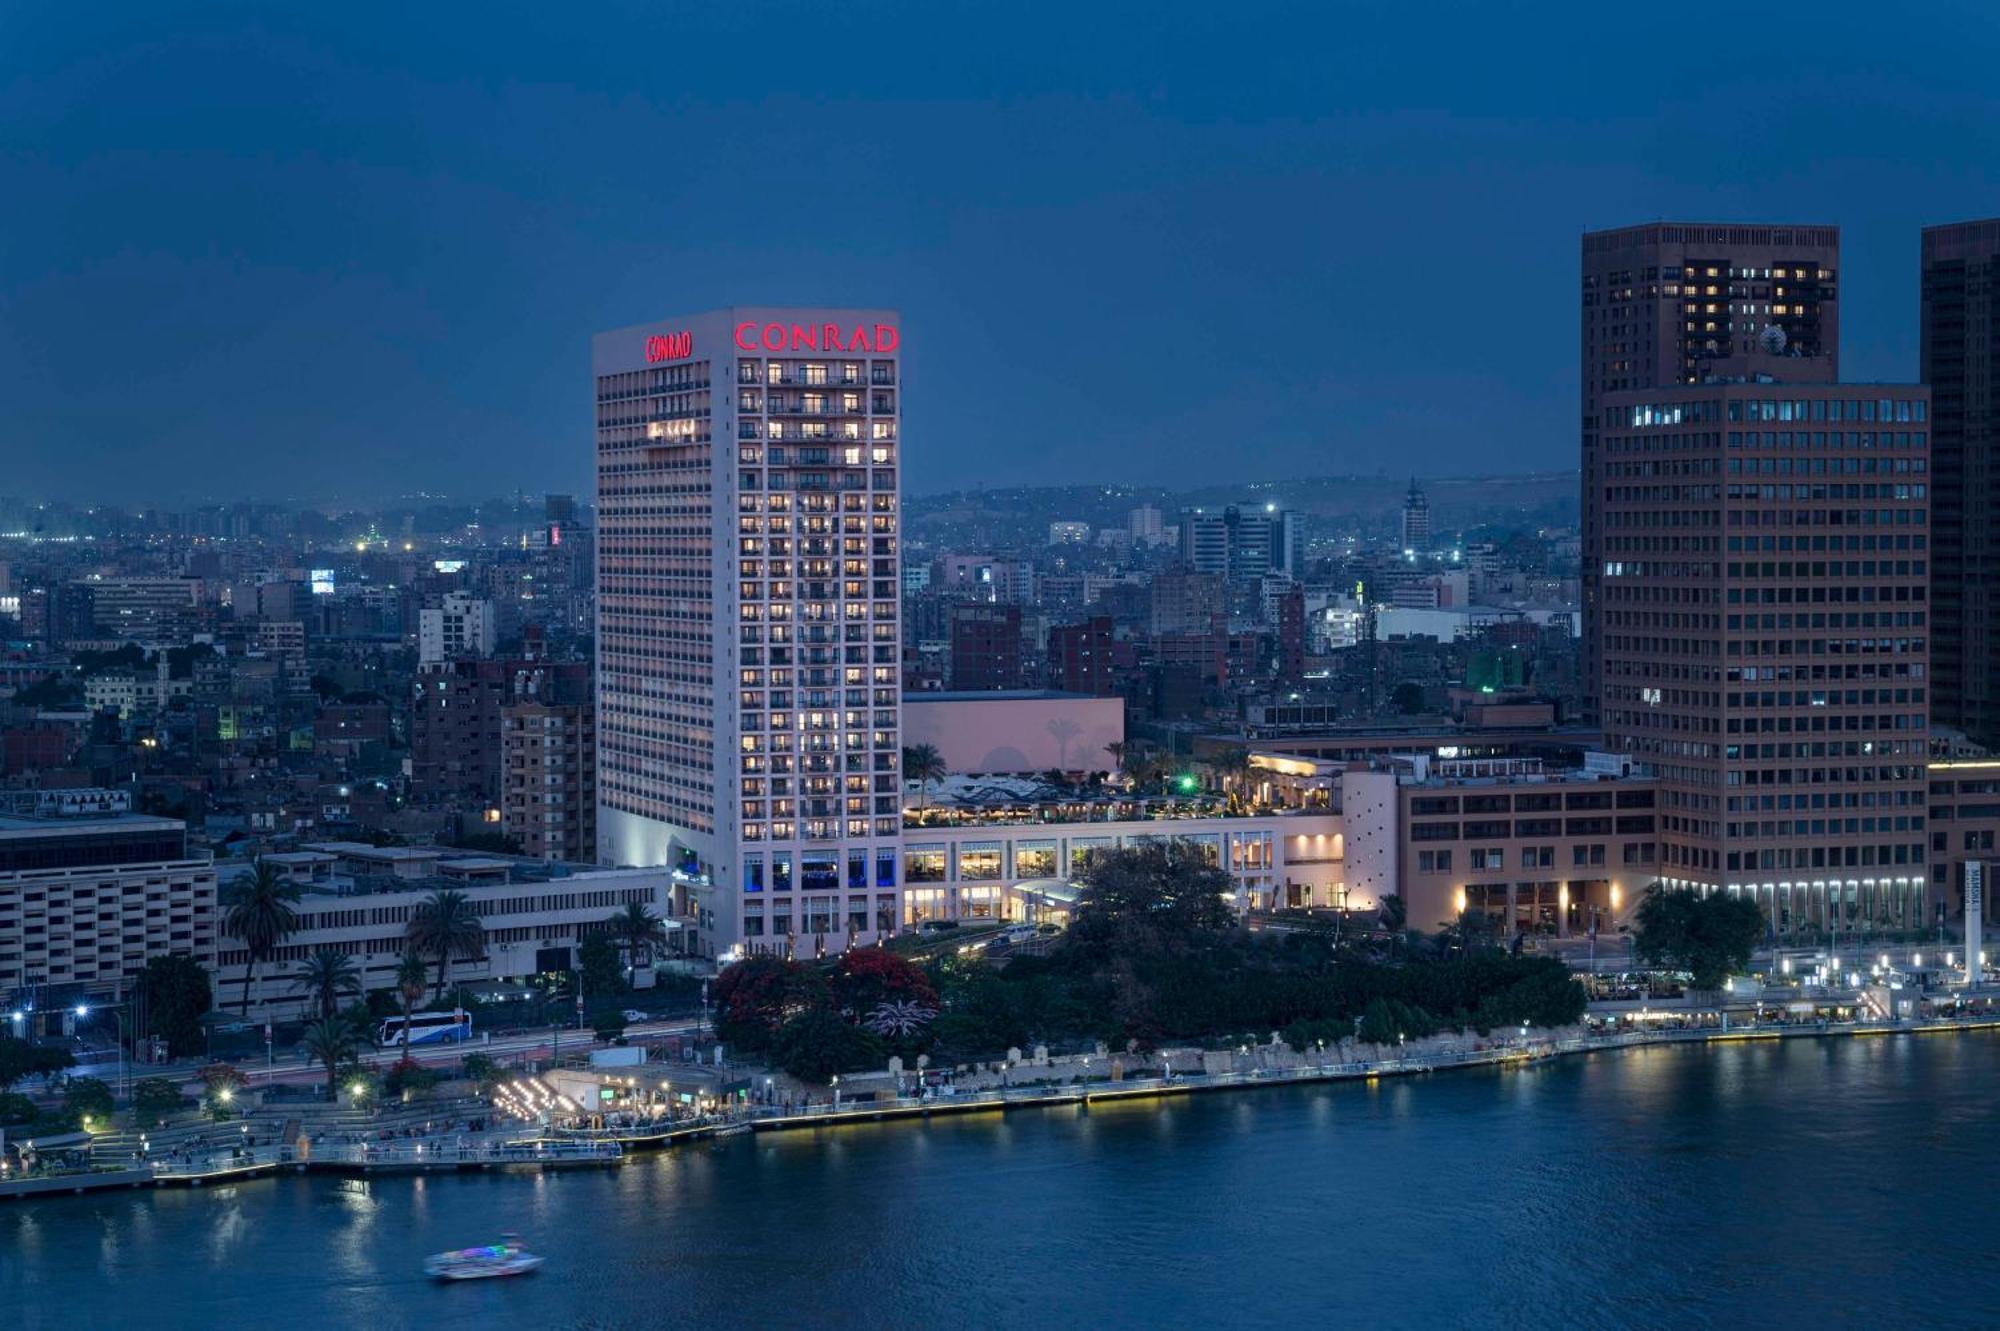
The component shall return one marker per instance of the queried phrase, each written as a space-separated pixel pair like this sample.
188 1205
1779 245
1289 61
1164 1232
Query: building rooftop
999 695
14 825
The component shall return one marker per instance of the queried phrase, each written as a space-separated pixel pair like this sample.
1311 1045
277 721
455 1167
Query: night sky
343 252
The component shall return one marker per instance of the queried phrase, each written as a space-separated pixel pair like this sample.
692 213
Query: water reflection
1643 1188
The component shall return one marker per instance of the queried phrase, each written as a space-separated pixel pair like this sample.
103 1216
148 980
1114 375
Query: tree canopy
1160 896
174 994
1710 937
24 1058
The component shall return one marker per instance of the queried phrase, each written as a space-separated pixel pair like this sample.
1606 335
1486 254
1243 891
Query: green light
1188 783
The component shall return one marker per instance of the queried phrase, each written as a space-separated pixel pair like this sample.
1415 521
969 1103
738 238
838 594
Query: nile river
1845 1182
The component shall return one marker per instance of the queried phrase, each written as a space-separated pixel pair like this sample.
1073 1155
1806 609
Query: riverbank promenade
554 1147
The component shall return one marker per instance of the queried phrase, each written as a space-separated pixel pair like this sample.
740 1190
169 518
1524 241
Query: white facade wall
97 926
464 625
1371 811
971 873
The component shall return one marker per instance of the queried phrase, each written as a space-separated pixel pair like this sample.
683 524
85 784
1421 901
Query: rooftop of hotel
997 695
996 801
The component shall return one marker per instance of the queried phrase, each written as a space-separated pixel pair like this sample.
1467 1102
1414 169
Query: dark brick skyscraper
1679 302
1765 625
1961 363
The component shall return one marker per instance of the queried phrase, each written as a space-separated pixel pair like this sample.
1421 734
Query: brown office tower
1765 640
1961 364
1683 302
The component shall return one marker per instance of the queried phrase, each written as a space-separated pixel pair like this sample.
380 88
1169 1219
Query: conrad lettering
878 338
669 346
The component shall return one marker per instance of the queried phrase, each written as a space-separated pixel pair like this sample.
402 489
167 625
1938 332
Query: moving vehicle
427 1028
505 1258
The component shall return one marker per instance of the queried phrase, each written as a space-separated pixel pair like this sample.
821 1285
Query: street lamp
117 1009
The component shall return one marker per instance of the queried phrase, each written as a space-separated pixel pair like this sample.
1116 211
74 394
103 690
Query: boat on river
505 1258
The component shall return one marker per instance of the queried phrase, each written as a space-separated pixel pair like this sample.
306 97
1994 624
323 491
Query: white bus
427 1028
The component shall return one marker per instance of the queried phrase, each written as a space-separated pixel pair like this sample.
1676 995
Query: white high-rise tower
748 691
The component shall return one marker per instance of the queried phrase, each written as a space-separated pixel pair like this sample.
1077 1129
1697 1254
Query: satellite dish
1772 339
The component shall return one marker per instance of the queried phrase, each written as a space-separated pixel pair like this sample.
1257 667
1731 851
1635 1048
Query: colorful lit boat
505 1258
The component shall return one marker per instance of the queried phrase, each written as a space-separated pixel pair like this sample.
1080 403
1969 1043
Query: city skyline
430 229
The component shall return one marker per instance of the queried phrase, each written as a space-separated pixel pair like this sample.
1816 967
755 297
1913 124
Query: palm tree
327 974
1232 770
333 1042
638 929
411 977
923 764
259 914
1148 770
446 926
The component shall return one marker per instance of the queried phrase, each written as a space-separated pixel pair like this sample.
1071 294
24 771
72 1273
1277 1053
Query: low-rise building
360 903
90 892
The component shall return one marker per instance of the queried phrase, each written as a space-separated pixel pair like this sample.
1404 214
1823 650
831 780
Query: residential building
457 721
985 647
1186 603
548 801
461 625
1080 657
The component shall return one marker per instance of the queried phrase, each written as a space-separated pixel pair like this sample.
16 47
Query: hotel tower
748 698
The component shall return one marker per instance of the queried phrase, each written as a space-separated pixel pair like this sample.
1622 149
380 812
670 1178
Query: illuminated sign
447 565
671 346
322 581
752 336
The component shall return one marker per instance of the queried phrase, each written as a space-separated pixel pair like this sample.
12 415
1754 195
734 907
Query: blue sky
356 251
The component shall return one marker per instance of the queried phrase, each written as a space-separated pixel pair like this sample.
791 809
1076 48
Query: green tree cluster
20 1059
154 1099
175 993
1154 953
1710 937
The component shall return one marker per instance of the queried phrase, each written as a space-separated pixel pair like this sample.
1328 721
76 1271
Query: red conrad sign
671 346
753 336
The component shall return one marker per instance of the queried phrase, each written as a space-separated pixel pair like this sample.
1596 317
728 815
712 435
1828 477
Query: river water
1845 1182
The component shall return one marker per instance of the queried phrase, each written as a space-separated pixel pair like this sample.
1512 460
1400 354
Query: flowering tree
867 977
756 996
